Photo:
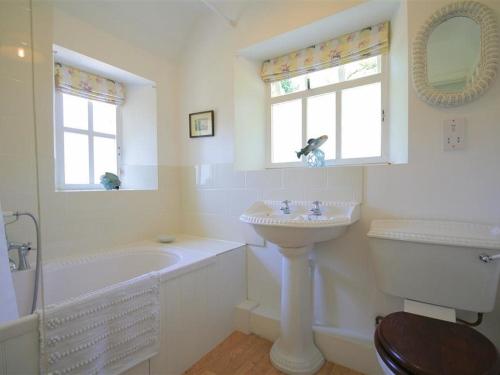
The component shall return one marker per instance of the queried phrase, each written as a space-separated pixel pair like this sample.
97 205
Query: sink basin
300 228
295 234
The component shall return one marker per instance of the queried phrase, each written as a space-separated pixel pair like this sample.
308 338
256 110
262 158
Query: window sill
345 163
101 190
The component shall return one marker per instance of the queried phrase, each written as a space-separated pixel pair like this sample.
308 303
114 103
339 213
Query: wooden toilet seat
417 345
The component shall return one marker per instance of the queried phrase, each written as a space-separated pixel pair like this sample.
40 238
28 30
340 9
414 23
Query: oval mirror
455 54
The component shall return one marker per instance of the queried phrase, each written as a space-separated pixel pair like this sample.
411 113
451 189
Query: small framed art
201 124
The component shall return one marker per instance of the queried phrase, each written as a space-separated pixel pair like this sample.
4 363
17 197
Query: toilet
435 266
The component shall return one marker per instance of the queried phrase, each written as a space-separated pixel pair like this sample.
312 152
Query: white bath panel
199 311
197 303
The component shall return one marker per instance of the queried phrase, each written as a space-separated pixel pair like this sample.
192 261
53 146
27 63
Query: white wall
75 222
139 145
462 185
17 137
207 65
399 81
201 71
250 115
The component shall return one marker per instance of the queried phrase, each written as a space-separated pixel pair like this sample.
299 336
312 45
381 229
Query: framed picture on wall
201 124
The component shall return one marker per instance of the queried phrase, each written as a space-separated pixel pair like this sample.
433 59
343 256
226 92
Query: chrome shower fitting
22 255
23 249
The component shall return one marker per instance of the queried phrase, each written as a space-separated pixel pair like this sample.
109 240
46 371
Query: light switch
454 134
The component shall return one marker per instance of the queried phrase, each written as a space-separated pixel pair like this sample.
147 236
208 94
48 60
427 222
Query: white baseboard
340 346
243 315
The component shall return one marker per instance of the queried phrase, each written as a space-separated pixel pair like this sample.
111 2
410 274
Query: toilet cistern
441 266
295 228
438 262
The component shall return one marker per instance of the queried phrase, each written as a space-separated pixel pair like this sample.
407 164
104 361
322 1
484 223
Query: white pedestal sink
295 234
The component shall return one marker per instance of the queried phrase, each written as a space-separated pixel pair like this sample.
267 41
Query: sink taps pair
316 211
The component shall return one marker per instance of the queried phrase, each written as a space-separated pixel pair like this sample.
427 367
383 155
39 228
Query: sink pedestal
295 232
295 352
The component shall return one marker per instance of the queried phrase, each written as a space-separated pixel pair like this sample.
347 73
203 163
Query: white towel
103 332
8 303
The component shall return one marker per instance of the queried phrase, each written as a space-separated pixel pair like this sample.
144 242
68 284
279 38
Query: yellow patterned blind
370 41
74 81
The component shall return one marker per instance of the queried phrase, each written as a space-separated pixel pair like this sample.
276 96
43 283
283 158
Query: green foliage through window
363 66
287 86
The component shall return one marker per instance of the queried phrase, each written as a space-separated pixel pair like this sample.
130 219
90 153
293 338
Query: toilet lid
415 344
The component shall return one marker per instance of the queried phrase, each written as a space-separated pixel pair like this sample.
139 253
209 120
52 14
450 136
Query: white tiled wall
17 139
83 222
215 195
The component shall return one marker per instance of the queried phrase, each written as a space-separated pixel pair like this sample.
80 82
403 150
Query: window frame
382 77
60 129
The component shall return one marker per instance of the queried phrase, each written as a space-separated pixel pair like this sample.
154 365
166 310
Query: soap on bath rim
166 238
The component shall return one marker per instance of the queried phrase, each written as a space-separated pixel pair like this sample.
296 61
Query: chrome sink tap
285 208
22 255
316 211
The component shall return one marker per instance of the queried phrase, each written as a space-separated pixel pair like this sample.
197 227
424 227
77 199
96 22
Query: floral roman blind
370 41
74 81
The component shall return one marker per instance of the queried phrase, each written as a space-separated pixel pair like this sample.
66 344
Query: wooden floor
242 354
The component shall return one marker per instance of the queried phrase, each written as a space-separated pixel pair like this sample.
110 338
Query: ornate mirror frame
490 52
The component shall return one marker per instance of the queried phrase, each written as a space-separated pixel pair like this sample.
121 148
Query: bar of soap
166 238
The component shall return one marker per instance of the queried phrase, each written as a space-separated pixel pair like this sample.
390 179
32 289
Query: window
86 139
345 102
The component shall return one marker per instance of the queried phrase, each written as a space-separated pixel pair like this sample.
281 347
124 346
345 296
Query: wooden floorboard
242 354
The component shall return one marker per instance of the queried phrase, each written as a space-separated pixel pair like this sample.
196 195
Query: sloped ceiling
163 26
159 26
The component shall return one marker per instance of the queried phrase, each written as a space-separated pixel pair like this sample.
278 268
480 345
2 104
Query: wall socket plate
454 134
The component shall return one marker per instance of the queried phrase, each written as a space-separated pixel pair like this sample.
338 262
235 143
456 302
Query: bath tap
12 265
22 252
286 208
316 211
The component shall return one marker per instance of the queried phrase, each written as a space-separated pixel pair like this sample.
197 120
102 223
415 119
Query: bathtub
68 278
192 273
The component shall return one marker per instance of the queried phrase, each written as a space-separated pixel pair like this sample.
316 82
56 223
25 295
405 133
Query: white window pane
76 158
286 131
104 117
324 77
75 112
321 121
104 157
288 86
361 121
362 68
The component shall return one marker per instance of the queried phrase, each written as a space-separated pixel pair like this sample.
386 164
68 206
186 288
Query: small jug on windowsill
315 159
